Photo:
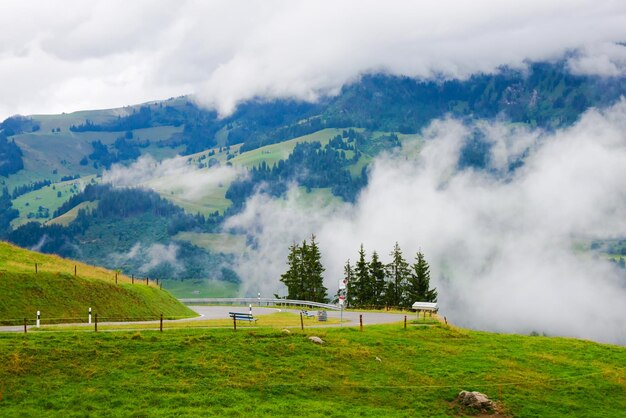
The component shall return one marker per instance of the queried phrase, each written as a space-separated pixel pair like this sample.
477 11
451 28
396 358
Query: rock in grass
316 340
286 331
475 400
378 359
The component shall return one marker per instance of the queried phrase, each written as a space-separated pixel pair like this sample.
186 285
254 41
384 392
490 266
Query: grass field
49 197
218 243
384 371
58 293
201 288
66 218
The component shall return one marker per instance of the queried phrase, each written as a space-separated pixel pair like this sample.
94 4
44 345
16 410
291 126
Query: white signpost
38 318
89 316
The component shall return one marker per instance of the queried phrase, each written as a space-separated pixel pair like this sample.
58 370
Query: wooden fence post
161 325
24 325
36 268
301 322
96 323
235 322
404 321
361 322
115 277
132 278
147 278
74 270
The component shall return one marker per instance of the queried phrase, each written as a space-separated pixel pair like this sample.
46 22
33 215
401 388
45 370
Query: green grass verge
265 372
58 294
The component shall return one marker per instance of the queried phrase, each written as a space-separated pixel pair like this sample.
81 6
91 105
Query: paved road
221 312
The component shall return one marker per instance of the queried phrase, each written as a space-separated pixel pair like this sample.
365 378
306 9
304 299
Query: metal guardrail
270 301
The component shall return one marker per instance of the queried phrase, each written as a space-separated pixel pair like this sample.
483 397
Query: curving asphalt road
351 318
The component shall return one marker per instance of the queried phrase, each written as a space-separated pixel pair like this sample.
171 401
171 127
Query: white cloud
71 55
500 249
176 174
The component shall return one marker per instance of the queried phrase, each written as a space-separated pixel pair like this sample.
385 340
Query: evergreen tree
362 283
303 278
398 273
377 277
302 271
348 276
314 269
419 283
291 278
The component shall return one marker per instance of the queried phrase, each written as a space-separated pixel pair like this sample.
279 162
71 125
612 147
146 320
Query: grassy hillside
56 292
383 371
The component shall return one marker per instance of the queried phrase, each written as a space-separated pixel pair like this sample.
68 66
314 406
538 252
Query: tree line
369 283
374 284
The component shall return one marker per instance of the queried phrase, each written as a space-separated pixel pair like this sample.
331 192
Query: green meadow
384 371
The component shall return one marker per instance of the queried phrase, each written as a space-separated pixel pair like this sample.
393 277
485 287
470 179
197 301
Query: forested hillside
51 166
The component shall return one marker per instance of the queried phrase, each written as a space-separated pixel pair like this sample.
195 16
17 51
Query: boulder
316 340
475 400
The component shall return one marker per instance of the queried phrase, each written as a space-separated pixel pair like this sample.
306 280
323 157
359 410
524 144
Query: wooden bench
238 316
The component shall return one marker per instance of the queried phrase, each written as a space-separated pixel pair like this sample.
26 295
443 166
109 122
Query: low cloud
501 246
75 55
150 256
178 175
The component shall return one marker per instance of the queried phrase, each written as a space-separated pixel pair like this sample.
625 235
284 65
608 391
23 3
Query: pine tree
291 278
361 280
377 275
314 270
303 278
419 282
302 272
398 273
348 275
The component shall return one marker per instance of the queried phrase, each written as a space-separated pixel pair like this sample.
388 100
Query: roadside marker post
250 309
89 316
38 318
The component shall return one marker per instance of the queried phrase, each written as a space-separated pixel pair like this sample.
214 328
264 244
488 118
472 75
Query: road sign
342 284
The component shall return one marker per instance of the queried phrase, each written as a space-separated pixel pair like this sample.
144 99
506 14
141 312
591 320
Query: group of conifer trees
374 284
303 277
369 284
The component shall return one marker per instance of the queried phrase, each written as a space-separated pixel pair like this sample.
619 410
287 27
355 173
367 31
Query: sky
63 56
